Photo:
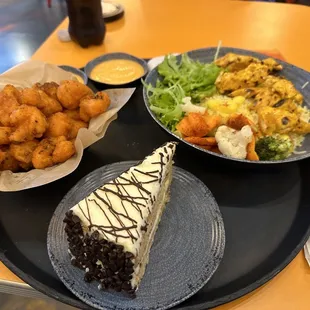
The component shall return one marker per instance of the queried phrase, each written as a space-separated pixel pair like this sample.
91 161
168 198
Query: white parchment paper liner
25 75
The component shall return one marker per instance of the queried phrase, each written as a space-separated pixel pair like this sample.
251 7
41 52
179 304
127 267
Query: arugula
188 78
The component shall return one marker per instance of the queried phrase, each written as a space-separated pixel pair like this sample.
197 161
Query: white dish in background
154 62
111 10
108 7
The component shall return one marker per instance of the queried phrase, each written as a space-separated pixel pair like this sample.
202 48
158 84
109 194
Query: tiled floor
24 25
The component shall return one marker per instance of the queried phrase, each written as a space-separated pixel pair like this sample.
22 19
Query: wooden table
151 28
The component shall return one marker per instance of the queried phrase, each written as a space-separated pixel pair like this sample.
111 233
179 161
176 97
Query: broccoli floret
274 147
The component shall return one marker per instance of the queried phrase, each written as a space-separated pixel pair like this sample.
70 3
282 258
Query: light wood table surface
151 28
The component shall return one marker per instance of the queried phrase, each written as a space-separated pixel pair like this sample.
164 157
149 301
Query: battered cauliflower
233 143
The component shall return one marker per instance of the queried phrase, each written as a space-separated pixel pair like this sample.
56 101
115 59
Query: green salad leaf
166 102
187 78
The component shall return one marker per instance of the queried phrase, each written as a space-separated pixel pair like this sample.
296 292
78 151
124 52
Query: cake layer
154 218
110 232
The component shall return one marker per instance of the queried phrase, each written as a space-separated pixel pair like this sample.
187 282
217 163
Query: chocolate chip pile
102 260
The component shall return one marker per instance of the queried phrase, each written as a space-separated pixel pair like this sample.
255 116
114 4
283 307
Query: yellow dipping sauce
117 71
79 78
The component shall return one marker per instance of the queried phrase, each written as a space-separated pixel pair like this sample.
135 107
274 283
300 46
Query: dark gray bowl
90 65
76 71
206 55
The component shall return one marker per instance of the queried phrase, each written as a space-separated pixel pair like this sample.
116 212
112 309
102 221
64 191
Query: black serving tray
265 209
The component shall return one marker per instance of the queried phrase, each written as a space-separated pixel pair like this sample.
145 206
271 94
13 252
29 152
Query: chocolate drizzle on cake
161 164
120 188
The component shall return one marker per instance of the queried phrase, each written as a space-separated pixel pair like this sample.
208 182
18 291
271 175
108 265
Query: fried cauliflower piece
43 154
5 133
12 91
50 88
30 96
59 124
197 125
232 142
63 151
48 105
69 93
29 123
75 127
51 151
7 161
73 114
23 152
92 106
7 105
24 166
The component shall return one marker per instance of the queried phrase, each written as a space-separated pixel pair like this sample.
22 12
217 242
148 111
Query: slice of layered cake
111 231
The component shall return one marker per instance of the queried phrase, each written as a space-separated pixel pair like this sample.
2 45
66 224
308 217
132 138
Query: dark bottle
86 24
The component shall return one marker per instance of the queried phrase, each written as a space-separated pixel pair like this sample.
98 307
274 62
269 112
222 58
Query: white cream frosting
118 210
